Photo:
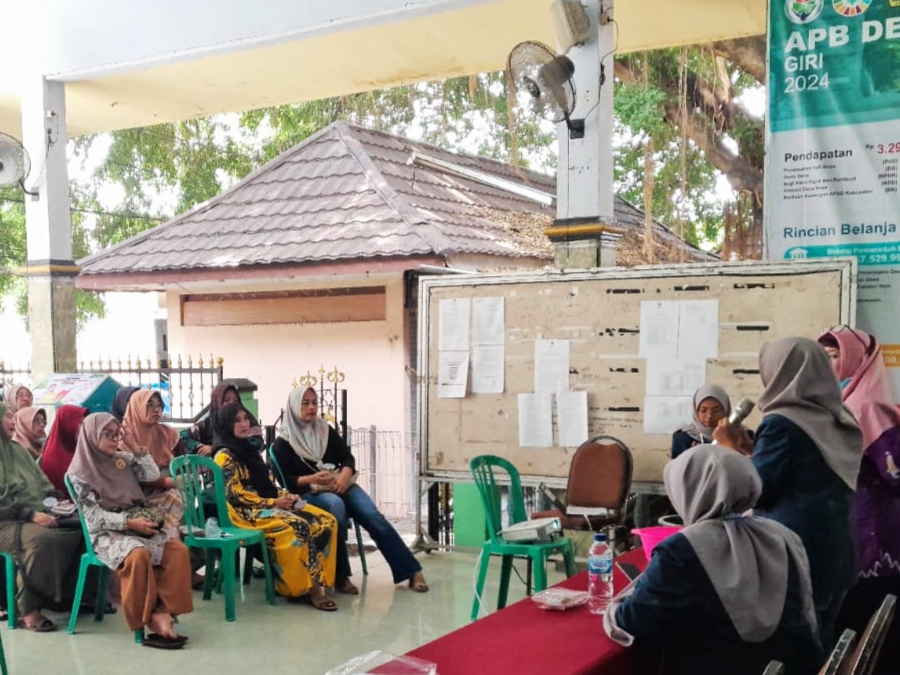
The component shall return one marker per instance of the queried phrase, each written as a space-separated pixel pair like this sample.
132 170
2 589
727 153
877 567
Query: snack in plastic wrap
383 663
560 599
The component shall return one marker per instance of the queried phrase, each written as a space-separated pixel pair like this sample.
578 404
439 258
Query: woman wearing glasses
807 451
142 427
858 364
146 555
46 557
31 425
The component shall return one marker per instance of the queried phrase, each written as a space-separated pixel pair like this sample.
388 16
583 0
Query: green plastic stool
89 559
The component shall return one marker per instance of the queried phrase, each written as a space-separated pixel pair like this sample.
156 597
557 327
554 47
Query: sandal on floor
43 625
417 583
157 641
322 602
346 587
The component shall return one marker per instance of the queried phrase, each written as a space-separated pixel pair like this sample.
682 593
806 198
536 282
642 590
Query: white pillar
585 201
50 269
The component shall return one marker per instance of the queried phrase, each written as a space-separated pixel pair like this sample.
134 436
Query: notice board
597 315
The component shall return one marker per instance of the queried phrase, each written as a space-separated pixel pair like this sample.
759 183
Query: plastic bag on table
383 663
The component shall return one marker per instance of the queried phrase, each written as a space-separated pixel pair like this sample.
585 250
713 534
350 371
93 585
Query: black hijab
242 449
120 401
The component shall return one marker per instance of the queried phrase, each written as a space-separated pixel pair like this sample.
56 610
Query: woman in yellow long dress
302 543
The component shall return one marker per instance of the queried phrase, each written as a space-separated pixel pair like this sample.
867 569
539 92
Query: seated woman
858 363
31 424
60 446
198 439
807 451
47 558
143 417
18 396
728 593
711 404
305 445
151 563
301 541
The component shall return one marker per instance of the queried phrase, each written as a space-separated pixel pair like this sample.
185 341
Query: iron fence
386 462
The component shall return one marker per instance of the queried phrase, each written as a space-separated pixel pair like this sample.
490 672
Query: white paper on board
674 378
453 373
659 329
536 420
488 321
551 366
487 369
572 418
453 329
664 414
698 330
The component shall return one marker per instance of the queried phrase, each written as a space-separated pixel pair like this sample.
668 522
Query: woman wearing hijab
807 451
18 396
120 401
728 593
143 416
300 540
198 439
151 563
858 363
60 446
47 558
30 430
305 445
711 404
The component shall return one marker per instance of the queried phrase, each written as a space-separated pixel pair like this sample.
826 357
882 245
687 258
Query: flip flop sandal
157 641
347 587
43 625
323 603
418 584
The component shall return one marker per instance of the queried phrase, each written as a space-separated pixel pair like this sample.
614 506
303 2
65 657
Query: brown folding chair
839 654
865 656
774 668
599 483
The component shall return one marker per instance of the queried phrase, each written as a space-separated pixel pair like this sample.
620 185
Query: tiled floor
286 638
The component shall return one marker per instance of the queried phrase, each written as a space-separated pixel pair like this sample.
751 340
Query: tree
698 92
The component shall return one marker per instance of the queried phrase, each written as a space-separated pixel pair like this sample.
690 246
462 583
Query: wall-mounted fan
542 80
15 164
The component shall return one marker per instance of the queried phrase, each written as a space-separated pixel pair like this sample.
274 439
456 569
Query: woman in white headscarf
318 464
728 593
807 451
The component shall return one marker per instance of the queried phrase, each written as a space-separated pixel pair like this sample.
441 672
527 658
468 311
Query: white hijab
309 440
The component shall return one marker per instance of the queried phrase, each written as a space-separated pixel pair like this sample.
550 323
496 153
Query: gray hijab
309 440
745 557
800 385
111 477
695 429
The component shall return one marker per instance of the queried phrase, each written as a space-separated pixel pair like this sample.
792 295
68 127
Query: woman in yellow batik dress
302 542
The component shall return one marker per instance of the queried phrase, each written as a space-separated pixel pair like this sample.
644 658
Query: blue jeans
356 504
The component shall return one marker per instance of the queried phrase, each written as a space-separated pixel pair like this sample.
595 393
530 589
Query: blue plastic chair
279 477
193 476
89 559
484 470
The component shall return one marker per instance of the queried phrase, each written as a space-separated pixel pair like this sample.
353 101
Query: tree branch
748 54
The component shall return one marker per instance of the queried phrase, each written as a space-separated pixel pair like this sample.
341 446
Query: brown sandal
417 583
347 587
320 600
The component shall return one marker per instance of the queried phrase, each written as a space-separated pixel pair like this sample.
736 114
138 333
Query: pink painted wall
373 355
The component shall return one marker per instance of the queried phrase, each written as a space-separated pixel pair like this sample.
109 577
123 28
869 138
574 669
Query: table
527 640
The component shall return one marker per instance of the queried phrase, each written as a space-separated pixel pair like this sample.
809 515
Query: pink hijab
867 395
24 434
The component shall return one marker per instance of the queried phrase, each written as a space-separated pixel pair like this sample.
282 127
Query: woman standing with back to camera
807 451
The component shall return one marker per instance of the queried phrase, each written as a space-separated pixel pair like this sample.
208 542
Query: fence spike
179 361
190 361
200 362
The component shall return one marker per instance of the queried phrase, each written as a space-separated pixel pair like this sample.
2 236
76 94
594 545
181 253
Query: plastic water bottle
213 531
600 585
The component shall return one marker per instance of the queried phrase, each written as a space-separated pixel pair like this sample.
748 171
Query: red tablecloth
524 639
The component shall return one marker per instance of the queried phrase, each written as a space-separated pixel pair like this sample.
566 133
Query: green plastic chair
193 475
11 572
89 559
279 477
485 470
